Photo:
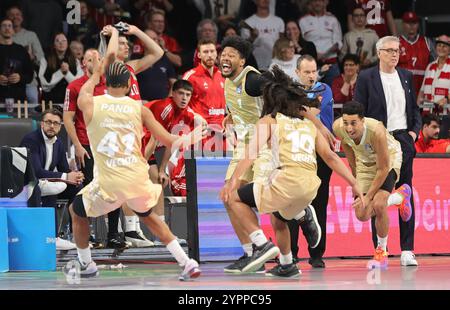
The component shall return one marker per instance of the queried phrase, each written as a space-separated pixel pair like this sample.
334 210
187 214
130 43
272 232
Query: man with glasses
48 157
387 93
361 40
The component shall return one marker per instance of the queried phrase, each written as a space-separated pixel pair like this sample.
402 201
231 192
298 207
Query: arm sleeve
337 33
326 109
253 84
37 47
361 91
70 101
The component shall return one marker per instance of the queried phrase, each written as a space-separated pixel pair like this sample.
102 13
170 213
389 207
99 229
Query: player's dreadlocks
283 95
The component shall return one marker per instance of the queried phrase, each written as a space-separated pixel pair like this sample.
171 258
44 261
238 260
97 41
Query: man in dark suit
388 95
48 157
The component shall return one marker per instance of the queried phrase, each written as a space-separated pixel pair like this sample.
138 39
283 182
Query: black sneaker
261 254
310 227
316 262
239 264
284 271
115 241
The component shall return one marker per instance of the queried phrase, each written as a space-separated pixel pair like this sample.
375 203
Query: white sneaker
51 188
408 259
190 271
137 240
74 269
62 244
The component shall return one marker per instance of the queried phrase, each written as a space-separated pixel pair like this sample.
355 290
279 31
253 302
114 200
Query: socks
84 255
248 249
258 237
300 215
382 242
394 199
175 249
162 218
130 224
286 259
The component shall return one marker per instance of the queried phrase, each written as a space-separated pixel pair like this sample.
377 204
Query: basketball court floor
339 274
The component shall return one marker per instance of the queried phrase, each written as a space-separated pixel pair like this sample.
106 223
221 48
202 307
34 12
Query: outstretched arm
154 51
86 97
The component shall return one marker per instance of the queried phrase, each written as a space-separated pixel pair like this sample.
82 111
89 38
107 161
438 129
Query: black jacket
369 91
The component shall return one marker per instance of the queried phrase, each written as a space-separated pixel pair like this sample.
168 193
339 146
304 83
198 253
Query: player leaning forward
375 158
293 183
114 125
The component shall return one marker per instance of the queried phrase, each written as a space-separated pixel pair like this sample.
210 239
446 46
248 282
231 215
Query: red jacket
208 98
70 104
432 146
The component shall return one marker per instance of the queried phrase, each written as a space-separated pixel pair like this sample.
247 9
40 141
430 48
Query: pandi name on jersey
117 107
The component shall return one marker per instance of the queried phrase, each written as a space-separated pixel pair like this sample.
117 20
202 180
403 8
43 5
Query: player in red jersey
208 98
177 118
153 53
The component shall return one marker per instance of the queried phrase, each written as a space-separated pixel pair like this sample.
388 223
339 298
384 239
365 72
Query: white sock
258 237
394 199
248 248
84 255
137 224
130 224
162 218
175 249
382 242
286 259
300 215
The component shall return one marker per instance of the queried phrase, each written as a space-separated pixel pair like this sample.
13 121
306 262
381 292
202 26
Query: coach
388 95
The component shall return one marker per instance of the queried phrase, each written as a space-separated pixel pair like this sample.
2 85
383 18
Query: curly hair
281 94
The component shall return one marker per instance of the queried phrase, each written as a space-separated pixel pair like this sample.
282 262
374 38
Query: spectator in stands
30 41
285 9
302 47
57 70
142 8
48 154
109 12
159 78
77 50
157 23
284 57
16 69
87 30
344 86
222 12
262 29
428 141
208 97
379 16
323 29
206 30
361 40
416 51
436 84
45 18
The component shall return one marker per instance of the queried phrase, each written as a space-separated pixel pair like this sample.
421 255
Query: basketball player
133 232
375 158
293 184
244 104
114 124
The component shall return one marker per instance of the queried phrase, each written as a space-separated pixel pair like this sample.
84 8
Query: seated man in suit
48 156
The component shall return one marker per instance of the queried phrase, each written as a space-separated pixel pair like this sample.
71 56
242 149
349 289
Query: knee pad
145 214
78 206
